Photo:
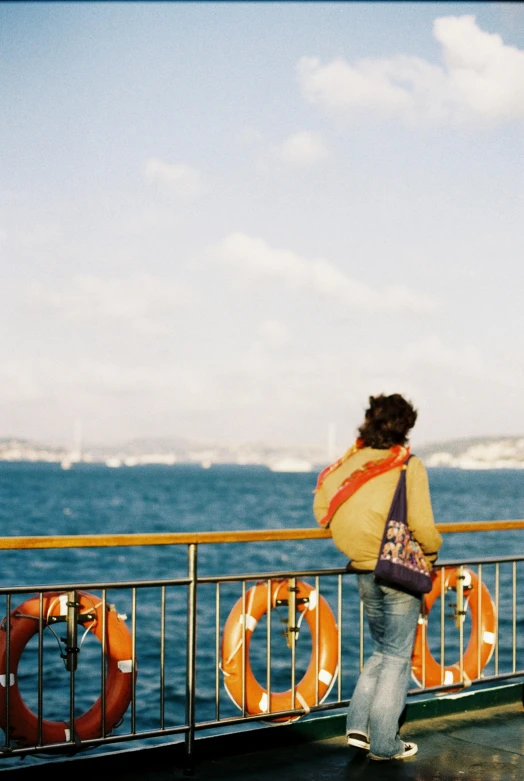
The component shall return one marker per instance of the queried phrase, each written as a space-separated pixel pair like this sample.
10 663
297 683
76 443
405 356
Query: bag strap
398 510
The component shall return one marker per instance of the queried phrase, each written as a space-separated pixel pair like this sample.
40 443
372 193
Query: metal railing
168 666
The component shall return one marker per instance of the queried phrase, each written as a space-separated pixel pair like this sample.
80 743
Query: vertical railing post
71 654
459 619
7 678
423 621
40 684
361 635
514 616
243 665
291 634
497 613
339 639
133 655
442 625
291 613
189 768
72 632
163 604
317 640
217 652
480 621
269 608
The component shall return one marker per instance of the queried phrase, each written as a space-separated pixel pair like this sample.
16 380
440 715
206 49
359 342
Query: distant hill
458 446
475 453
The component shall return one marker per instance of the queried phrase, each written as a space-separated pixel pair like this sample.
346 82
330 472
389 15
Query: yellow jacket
358 524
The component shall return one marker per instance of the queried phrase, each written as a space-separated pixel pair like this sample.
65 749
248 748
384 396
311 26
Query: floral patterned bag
401 562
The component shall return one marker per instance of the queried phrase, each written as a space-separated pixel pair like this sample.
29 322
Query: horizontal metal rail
214 538
201 579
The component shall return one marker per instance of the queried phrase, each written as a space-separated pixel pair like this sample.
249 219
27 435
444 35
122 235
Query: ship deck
484 744
476 734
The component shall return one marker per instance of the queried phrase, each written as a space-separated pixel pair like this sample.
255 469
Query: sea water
43 499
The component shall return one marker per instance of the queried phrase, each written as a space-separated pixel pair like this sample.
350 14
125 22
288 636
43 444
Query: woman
353 497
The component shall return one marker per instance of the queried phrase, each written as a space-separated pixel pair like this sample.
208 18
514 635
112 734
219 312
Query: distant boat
291 465
113 462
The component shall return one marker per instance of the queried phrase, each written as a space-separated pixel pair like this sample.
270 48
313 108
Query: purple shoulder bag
401 562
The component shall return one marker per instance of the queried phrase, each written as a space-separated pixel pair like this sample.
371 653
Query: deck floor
485 745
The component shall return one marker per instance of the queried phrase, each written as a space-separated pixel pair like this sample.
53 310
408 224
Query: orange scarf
398 455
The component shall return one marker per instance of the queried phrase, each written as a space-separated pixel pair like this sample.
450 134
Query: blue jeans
381 690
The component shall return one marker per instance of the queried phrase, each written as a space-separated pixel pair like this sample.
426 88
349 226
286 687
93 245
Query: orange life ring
23 723
483 629
255 696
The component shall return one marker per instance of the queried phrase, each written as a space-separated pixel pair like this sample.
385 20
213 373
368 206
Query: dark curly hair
387 421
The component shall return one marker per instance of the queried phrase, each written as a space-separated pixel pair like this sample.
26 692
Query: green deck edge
171 755
487 696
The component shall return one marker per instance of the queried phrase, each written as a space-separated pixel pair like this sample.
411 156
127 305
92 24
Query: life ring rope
87 627
303 702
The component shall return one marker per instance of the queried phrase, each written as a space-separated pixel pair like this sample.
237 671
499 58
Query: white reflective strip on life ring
489 637
448 677
325 677
263 704
302 702
249 621
467 579
67 734
125 665
63 600
11 680
422 619
234 651
313 599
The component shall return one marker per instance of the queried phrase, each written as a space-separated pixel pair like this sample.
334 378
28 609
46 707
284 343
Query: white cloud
18 382
487 74
275 333
160 380
303 148
250 136
458 361
138 299
254 259
95 379
181 178
463 362
481 78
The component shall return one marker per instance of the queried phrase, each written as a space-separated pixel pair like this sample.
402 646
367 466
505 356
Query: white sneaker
408 750
358 739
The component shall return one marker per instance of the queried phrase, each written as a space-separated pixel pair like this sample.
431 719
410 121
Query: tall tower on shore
332 444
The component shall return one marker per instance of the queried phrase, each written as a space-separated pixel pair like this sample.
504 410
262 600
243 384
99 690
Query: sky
235 222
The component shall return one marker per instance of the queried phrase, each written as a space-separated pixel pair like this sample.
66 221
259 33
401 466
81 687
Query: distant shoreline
86 465
474 453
